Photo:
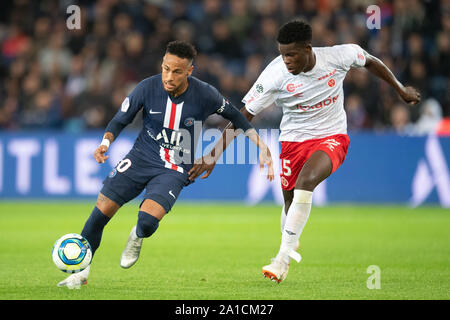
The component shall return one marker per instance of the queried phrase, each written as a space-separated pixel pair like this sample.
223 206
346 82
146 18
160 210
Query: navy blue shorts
132 175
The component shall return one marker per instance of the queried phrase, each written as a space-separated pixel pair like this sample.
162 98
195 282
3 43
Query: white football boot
76 280
131 252
276 271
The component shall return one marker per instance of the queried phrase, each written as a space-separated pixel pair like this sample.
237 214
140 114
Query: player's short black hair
295 31
181 49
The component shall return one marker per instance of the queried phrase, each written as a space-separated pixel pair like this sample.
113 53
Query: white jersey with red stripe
167 137
313 101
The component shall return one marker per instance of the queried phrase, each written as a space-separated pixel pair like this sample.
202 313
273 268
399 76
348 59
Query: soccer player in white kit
307 82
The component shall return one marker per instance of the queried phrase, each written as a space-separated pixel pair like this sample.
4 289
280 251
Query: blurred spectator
356 115
225 42
55 58
401 120
14 42
430 117
43 112
52 77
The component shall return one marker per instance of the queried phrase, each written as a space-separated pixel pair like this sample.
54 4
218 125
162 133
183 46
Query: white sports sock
282 219
296 219
85 272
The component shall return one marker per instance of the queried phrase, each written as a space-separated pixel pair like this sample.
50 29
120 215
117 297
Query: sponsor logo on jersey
172 142
327 75
291 87
328 101
222 107
360 56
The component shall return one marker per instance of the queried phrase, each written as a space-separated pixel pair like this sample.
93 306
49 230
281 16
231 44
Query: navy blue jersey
167 137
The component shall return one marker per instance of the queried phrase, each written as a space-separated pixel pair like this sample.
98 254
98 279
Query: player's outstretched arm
409 94
124 116
207 163
265 158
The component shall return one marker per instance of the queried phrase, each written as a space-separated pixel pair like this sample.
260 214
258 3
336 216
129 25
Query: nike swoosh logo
154 112
289 232
170 192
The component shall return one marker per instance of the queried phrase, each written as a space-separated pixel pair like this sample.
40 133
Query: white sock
296 219
85 272
134 235
282 219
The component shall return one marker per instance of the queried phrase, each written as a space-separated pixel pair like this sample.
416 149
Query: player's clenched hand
265 159
410 95
99 154
205 164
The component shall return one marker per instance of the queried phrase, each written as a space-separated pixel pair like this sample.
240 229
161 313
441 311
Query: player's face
175 71
296 56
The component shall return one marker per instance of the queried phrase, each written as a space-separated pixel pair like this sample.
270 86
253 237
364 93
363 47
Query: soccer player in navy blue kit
162 154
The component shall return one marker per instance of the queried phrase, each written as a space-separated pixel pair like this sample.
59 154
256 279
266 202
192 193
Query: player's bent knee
153 208
308 181
107 206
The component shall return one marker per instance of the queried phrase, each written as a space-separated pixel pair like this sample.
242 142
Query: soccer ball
72 253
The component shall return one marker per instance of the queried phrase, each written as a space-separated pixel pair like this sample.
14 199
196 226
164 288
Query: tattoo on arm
102 198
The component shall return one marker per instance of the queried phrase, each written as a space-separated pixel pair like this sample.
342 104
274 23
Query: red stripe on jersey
167 157
173 112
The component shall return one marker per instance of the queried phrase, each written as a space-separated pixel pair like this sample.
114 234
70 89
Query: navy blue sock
93 228
146 225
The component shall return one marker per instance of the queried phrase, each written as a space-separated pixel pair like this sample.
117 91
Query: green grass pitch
216 251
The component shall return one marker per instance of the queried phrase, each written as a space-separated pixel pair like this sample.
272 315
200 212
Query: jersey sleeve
128 110
221 106
262 94
350 56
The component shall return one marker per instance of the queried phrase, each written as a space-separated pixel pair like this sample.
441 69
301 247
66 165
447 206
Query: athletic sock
146 225
282 219
296 219
93 228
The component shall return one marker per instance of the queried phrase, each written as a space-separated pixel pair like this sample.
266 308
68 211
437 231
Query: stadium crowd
55 78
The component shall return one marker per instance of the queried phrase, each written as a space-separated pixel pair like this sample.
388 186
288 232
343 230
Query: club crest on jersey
189 121
259 88
284 182
331 83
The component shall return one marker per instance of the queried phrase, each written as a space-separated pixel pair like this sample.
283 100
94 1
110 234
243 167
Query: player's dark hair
181 49
295 31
